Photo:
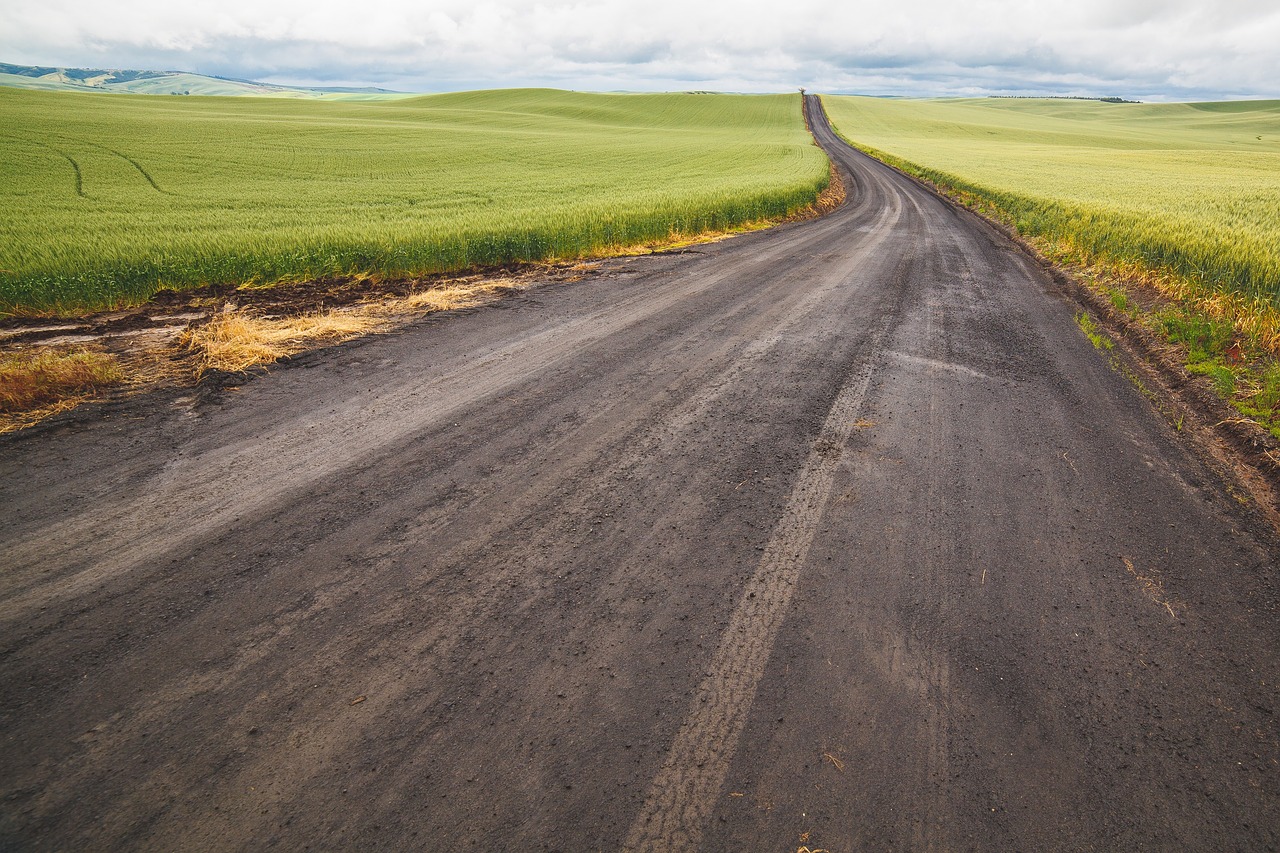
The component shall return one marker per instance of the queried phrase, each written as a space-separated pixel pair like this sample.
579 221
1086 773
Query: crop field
1191 189
105 199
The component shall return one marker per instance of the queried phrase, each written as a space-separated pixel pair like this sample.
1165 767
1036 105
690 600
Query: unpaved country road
840 529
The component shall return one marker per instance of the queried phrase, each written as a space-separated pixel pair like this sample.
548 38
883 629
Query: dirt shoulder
1234 444
186 338
1237 447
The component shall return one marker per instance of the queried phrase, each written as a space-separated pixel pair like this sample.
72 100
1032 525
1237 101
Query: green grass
1263 401
1093 333
1192 189
1204 338
105 199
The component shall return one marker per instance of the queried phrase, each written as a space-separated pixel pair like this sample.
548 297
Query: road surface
838 536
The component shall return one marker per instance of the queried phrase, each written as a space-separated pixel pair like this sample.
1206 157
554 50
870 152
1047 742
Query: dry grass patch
46 380
236 340
30 380
829 199
459 295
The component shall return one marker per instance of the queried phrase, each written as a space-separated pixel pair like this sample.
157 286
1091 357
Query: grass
30 380
1204 338
1091 331
1179 199
105 200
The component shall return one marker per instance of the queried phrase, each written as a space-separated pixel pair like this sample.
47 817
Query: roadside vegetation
105 200
229 333
239 338
32 380
1171 211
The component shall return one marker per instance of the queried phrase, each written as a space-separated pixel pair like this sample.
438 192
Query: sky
1142 49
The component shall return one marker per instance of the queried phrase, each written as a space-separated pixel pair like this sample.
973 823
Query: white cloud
1145 48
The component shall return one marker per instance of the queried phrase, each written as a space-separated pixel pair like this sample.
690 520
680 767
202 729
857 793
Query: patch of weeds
29 380
1207 340
1119 299
1242 375
1093 333
1269 394
1223 376
1261 401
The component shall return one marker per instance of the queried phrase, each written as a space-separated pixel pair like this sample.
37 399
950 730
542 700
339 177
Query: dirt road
840 535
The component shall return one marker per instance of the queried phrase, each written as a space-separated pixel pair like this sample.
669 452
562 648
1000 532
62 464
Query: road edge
1237 450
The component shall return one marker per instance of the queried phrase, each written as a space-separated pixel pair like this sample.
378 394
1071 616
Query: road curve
839 535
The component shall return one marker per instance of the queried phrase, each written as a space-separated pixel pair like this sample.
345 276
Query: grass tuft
1119 299
1093 333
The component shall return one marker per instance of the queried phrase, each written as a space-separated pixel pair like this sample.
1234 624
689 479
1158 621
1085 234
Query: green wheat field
106 198
1193 189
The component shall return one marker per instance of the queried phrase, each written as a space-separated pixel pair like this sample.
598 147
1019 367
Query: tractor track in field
75 166
839 536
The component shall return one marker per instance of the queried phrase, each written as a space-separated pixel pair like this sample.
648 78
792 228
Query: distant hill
167 83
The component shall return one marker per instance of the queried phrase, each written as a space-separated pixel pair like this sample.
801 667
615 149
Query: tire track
76 166
683 793
145 174
79 175
132 162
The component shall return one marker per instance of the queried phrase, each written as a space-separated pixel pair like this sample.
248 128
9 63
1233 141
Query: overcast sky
1145 49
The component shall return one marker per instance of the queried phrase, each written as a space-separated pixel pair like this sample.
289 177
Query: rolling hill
167 83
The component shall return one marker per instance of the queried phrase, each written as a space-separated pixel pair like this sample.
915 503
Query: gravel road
839 535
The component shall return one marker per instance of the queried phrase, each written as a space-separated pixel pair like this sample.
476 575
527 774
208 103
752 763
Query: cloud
1170 49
